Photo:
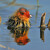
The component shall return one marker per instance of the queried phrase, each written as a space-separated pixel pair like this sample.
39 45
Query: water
38 41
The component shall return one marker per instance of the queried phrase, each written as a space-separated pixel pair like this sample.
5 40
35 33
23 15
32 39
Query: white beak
30 16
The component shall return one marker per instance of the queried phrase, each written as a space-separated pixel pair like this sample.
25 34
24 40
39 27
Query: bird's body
20 19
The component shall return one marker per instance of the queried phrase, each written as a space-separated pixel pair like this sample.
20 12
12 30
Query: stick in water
42 24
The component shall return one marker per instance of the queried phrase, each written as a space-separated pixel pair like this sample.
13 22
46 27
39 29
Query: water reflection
36 14
21 36
13 3
42 34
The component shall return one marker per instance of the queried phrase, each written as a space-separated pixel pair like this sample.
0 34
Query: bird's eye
22 13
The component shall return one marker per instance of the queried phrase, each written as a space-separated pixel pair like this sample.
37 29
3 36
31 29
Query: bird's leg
24 24
28 24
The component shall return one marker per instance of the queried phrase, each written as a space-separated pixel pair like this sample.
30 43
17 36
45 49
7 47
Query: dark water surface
38 40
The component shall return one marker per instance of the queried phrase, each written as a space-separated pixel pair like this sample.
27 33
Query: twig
42 24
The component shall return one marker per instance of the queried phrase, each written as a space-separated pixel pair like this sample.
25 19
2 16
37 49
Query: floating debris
0 19
2 46
6 47
4 23
10 48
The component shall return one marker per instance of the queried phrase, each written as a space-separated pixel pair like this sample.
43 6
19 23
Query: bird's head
23 14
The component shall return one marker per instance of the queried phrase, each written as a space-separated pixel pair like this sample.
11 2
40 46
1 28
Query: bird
20 19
